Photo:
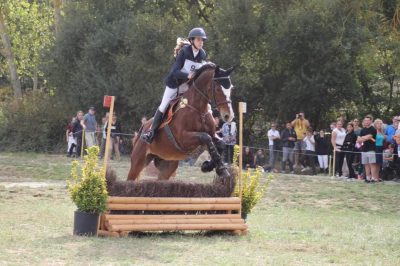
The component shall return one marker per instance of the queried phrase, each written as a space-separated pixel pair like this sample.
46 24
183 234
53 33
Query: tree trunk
57 13
35 79
8 54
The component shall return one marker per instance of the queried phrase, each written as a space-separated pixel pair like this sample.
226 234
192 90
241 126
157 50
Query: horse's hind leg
166 168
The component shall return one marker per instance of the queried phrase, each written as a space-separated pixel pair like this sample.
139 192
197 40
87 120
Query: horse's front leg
205 139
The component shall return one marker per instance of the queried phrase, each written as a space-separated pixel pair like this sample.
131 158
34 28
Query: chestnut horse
192 125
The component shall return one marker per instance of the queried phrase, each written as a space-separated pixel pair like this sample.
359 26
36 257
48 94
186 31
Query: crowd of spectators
367 150
359 152
83 130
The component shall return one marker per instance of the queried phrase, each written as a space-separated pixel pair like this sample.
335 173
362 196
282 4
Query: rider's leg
169 94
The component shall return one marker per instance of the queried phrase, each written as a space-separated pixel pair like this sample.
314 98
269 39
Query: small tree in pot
253 188
87 188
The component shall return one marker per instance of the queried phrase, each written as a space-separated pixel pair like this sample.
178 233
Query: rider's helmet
197 32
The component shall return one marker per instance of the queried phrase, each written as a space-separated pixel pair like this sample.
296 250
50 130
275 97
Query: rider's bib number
190 66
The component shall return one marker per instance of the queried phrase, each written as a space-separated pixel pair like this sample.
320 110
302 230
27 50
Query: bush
32 123
252 189
88 188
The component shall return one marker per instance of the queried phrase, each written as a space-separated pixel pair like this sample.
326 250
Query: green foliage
328 58
32 123
29 26
252 189
87 187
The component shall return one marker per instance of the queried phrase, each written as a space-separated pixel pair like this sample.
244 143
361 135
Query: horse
192 125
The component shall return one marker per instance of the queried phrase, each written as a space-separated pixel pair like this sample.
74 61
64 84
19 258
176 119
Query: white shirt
340 136
195 53
272 133
310 143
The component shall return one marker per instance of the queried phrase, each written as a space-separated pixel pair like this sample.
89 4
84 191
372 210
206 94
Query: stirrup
147 137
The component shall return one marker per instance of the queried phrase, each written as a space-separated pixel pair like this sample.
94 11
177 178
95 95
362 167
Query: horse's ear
229 70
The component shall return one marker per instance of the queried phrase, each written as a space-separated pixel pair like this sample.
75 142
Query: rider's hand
191 74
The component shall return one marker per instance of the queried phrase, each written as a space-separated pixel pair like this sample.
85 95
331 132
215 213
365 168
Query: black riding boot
150 135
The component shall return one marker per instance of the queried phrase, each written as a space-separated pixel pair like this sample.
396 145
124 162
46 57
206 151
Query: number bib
190 66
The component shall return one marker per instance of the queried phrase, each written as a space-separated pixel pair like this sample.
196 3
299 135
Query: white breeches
169 94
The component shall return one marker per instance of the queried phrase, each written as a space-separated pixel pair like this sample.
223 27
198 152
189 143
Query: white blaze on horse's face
228 117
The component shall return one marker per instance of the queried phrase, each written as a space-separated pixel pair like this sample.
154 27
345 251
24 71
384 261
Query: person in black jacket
349 148
77 133
189 58
248 158
288 139
322 151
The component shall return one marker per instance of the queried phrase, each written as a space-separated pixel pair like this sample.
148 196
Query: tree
7 52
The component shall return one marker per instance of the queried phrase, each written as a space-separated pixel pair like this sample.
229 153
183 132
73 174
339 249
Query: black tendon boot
149 136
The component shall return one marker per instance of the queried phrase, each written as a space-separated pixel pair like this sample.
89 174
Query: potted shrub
253 188
87 188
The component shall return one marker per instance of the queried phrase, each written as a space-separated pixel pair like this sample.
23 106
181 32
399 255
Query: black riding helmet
197 32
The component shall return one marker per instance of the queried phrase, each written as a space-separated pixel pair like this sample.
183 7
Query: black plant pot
86 224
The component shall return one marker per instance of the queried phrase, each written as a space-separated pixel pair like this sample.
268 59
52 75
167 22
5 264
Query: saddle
174 106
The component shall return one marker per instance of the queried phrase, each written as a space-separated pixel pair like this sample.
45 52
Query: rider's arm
177 66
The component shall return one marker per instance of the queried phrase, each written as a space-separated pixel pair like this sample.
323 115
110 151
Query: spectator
104 122
356 126
379 143
70 138
309 158
248 158
388 155
77 131
115 137
332 126
288 141
229 137
322 151
259 159
357 156
143 120
368 156
300 125
349 149
89 125
391 130
218 129
337 140
273 138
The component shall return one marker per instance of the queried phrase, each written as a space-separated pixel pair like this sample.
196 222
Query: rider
189 58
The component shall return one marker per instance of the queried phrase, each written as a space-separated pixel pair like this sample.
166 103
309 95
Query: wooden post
106 153
82 143
329 165
242 110
334 163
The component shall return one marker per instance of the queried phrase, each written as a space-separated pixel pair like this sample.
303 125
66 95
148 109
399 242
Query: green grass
301 221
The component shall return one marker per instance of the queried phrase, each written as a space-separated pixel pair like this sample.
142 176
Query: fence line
294 152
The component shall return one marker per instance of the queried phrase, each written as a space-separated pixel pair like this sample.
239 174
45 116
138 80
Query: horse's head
221 90
213 84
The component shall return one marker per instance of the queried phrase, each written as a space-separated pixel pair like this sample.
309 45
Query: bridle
214 100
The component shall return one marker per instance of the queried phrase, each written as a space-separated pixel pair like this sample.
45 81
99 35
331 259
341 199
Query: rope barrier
295 152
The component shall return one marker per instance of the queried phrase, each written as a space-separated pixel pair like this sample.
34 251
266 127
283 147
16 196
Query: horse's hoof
207 166
223 172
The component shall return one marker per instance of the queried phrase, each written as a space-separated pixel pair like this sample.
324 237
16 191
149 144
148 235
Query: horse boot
221 169
149 136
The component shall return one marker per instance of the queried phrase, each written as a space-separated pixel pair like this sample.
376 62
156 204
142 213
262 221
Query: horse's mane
201 70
